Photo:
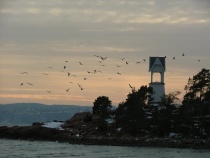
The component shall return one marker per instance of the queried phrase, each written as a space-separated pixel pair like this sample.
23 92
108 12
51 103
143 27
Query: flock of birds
100 60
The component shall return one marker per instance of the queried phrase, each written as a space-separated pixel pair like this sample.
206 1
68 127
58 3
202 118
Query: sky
38 38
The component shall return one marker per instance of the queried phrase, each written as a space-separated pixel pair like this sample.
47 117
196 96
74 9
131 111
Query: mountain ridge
27 113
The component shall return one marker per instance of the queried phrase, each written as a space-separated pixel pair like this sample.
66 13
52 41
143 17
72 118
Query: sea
44 149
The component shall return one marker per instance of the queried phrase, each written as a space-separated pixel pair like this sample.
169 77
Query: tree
131 112
196 103
198 87
102 107
170 98
166 117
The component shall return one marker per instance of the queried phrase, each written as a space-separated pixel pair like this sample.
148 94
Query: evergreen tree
130 114
102 107
195 110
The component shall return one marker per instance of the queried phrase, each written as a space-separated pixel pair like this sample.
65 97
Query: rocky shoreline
37 132
77 131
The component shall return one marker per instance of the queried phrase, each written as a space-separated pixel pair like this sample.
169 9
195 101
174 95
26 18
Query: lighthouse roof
155 60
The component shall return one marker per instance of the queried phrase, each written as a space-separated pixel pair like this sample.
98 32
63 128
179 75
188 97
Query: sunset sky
40 36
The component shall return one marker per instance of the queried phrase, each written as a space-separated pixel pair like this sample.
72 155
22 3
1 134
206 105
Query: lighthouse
157 67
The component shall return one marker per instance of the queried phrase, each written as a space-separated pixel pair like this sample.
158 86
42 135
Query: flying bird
138 62
183 54
144 60
174 58
122 58
30 84
127 62
48 91
199 60
80 86
64 67
118 66
118 73
67 90
44 74
21 84
95 71
80 63
97 56
68 73
24 73
103 58
131 87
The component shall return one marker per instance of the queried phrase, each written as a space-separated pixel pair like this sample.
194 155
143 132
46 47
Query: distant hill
27 113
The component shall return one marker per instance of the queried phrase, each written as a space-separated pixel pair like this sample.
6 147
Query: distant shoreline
38 133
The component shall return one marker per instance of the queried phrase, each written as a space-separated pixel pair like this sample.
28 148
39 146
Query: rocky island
78 131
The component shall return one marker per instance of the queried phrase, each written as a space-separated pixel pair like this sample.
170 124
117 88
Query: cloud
165 12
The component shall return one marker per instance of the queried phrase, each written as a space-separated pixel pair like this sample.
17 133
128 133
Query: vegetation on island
137 117
135 122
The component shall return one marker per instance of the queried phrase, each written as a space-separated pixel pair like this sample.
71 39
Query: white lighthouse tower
157 65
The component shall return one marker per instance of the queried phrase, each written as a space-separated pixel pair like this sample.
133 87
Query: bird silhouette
68 73
97 56
199 60
131 87
80 63
21 84
45 74
183 54
24 73
138 62
66 61
64 67
85 78
67 90
30 84
80 86
127 62
118 73
48 91
122 58
95 71
173 58
118 66
103 58
144 60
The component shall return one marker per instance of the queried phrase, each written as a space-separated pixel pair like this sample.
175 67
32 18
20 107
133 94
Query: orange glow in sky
71 52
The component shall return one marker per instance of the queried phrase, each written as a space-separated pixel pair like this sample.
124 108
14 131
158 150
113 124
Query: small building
157 65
